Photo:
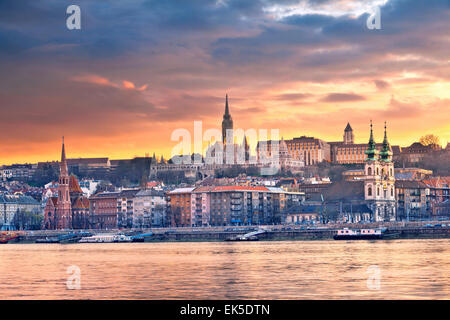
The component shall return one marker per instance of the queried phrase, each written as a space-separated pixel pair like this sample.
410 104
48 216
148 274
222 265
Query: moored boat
47 240
242 238
360 234
6 236
106 238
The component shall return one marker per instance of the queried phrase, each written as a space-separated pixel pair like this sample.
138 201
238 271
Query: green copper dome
385 154
371 150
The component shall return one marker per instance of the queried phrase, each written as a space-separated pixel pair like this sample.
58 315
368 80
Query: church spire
371 147
227 122
63 166
227 111
386 151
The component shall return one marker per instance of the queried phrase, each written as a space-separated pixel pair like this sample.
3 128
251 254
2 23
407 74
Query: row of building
143 208
375 193
80 166
293 155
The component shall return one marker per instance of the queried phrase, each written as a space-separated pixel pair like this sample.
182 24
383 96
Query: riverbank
272 233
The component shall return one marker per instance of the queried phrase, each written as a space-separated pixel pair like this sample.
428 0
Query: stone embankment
395 230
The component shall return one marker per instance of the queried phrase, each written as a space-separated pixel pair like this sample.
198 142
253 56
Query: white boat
106 238
361 234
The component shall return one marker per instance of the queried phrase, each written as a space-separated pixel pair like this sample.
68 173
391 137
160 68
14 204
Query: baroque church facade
379 180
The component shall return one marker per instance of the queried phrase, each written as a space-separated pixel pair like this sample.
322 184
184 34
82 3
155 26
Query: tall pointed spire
227 122
227 111
63 214
371 147
63 167
386 151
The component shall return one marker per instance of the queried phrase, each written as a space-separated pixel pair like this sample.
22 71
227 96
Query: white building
149 209
379 180
12 204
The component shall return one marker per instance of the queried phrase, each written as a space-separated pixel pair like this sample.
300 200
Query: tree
430 139
44 174
24 220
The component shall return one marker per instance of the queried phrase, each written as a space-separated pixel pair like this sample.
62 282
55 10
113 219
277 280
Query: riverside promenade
394 230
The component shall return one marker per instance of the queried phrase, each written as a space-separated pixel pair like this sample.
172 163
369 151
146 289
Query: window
369 171
369 191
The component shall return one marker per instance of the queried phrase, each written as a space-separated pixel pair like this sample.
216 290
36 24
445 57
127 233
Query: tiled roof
80 203
437 182
54 200
18 199
128 193
105 195
410 184
74 186
182 190
203 189
150 192
238 188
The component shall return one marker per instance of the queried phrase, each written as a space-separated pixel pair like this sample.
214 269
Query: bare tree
430 139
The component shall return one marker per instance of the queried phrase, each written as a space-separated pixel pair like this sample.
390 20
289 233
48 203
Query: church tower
63 207
348 134
379 181
227 122
246 149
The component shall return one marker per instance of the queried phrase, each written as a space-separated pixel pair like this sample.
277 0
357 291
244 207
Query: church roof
348 127
80 203
74 186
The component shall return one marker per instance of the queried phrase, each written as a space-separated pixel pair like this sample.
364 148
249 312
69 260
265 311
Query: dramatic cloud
343 97
381 85
139 69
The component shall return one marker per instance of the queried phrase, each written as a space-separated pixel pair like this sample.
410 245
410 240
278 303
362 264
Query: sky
139 69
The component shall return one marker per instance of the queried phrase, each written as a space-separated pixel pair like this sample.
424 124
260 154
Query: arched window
369 190
378 172
392 192
378 191
369 171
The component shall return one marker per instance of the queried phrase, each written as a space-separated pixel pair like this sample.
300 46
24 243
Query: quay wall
395 232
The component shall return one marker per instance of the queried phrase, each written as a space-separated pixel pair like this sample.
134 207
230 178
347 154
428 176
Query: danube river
400 269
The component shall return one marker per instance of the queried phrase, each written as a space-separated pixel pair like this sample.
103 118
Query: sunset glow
137 70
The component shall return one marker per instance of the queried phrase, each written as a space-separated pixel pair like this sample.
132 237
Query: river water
396 269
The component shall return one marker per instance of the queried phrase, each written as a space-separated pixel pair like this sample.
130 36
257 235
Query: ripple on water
409 269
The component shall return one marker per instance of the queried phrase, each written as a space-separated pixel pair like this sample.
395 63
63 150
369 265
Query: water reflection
410 269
